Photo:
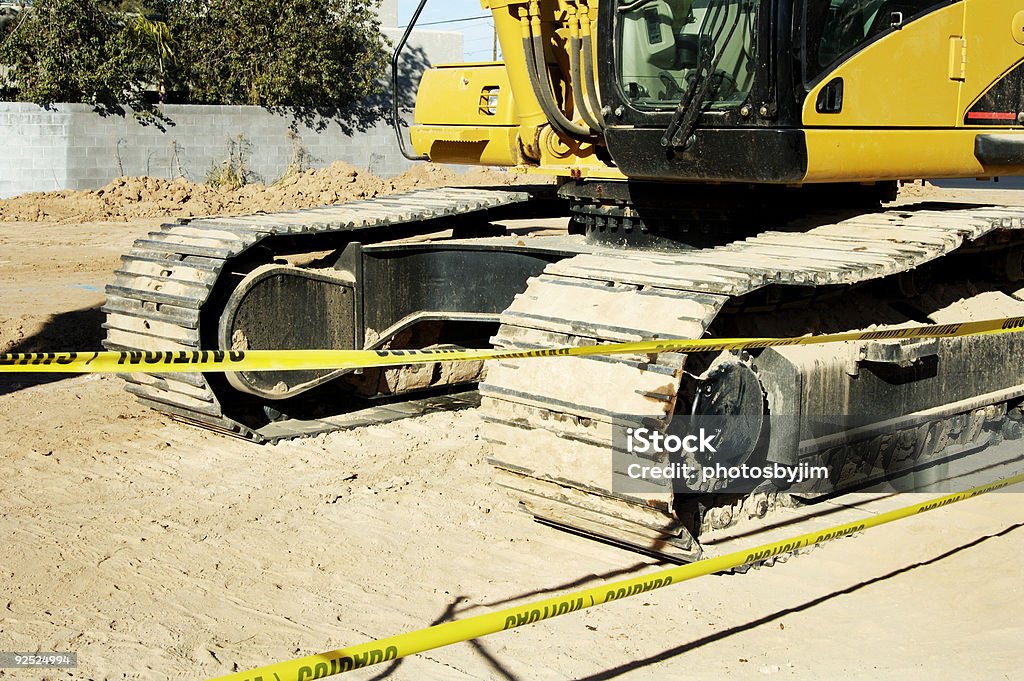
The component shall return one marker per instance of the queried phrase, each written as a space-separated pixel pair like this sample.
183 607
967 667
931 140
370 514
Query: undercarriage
434 268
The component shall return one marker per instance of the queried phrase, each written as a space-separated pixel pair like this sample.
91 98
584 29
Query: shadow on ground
77 330
501 671
453 609
806 605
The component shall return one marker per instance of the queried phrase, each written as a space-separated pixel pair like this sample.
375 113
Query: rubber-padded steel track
551 419
162 285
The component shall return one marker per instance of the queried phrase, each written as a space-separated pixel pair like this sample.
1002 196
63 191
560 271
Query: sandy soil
128 198
155 550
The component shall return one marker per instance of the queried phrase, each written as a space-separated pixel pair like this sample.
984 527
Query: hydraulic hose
577 82
536 67
588 70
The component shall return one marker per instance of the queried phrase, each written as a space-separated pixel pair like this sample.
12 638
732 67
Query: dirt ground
155 550
128 198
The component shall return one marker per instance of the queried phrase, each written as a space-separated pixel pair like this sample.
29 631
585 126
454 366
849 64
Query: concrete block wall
35 148
72 147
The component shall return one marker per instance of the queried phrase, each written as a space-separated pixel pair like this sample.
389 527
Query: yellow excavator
725 166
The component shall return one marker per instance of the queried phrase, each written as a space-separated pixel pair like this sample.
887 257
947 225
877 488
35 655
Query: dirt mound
432 175
128 198
919 189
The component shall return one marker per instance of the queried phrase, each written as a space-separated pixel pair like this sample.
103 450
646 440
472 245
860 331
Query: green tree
317 57
8 20
314 59
77 51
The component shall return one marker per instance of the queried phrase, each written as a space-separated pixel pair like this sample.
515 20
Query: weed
301 159
233 172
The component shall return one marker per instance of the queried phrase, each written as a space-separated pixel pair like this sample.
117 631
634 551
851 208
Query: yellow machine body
906 96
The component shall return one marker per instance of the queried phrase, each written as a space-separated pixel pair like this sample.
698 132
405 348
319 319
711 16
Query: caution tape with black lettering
386 649
158 361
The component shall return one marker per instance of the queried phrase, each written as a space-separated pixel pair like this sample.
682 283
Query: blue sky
478 33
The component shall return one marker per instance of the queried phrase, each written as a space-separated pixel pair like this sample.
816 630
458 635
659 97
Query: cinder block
93 149
48 162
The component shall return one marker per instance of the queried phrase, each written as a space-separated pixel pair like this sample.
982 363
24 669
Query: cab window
836 29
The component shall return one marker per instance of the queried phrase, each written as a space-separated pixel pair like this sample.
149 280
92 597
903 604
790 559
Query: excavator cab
739 91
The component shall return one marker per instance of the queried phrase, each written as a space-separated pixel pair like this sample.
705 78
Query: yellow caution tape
394 647
167 361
